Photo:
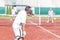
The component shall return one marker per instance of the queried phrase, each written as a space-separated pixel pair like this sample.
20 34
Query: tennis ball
54 18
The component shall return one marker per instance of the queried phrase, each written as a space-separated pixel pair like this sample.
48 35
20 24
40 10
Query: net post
39 13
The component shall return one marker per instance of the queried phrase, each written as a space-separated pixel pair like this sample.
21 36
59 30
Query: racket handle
22 38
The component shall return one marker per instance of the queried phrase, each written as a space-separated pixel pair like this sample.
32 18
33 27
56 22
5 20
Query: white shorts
50 15
17 30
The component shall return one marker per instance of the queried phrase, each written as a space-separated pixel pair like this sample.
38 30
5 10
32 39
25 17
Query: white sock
52 21
48 21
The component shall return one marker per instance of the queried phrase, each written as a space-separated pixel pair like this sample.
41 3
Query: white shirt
20 18
50 13
13 12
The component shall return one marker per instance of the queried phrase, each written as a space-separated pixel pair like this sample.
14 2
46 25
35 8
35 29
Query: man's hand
24 33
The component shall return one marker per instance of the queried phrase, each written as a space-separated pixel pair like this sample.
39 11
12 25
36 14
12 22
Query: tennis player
14 10
19 23
50 15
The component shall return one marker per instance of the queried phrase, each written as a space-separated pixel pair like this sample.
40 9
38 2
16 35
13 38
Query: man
50 15
14 10
19 23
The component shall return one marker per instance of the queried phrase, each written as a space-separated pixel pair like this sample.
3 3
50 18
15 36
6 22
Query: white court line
46 30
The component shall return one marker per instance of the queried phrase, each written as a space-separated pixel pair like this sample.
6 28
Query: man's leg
17 32
52 18
48 19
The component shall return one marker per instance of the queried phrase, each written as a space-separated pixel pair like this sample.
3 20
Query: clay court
37 27
45 31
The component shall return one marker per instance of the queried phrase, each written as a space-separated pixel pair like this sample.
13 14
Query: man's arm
23 30
23 27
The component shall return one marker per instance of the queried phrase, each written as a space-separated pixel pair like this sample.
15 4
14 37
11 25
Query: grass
28 17
4 16
57 18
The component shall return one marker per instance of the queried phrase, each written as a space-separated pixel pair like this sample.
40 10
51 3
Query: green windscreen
2 10
44 10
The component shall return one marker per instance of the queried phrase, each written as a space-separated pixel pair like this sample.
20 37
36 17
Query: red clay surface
33 31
